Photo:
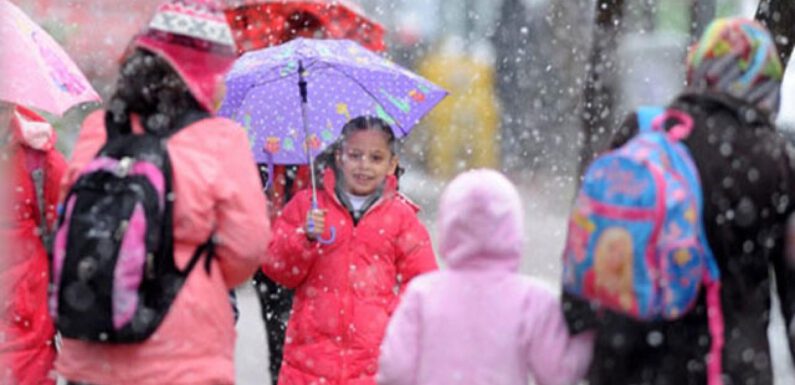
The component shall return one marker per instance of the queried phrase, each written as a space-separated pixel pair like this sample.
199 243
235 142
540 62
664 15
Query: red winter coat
347 290
26 346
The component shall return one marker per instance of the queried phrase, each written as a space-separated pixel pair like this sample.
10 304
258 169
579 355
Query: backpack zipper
121 230
124 167
150 265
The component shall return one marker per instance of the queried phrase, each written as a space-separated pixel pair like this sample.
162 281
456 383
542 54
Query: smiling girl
348 261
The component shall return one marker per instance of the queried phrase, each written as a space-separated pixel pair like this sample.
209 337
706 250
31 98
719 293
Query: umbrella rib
338 69
271 79
278 77
355 81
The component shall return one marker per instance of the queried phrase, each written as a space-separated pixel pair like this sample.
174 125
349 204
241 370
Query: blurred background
517 70
535 84
535 88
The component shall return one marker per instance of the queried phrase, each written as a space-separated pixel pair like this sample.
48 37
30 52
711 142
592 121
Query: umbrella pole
305 122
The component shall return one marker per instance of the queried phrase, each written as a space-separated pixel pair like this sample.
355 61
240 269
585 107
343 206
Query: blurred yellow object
463 127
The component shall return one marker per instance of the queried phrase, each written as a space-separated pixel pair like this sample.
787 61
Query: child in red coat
348 260
35 168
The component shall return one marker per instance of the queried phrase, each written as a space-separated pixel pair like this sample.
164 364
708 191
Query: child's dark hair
150 88
360 123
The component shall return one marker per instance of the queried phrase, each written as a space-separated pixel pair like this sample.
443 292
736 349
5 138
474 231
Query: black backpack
113 271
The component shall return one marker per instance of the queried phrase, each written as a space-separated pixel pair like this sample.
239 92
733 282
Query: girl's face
365 160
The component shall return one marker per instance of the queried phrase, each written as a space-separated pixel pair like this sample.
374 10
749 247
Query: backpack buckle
124 167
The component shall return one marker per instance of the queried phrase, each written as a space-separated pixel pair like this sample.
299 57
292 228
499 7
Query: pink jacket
217 187
480 322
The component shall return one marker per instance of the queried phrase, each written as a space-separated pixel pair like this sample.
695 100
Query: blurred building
463 128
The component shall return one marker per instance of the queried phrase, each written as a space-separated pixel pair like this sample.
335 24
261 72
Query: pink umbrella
36 71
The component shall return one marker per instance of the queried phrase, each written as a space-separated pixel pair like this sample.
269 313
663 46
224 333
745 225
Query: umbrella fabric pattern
35 69
344 80
264 23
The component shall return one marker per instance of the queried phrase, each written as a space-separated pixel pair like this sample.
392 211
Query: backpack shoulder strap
205 249
654 118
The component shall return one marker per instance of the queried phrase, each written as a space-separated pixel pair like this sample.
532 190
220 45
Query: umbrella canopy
343 80
36 71
265 23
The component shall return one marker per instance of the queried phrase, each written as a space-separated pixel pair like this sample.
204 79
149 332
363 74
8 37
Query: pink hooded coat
479 321
217 187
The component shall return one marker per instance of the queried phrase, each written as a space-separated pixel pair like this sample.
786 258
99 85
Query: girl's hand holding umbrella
315 224
335 79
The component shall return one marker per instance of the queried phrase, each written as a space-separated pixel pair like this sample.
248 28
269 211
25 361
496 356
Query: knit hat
195 39
737 56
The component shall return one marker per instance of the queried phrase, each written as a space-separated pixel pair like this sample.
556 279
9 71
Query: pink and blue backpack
636 243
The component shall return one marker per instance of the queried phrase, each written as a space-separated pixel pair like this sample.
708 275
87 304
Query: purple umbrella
294 99
340 81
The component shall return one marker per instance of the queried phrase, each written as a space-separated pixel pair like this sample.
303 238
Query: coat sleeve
397 364
414 250
554 356
242 229
290 254
56 168
784 269
579 314
784 257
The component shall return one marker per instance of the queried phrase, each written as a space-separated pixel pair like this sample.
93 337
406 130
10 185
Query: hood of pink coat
32 130
481 223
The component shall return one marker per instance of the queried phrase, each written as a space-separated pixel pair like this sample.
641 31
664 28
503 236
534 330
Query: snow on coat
216 188
26 329
747 173
346 291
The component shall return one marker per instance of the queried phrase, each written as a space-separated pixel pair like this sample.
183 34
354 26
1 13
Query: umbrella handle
311 227
332 236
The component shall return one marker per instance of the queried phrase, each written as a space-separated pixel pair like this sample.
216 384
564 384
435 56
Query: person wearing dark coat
747 172
276 301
